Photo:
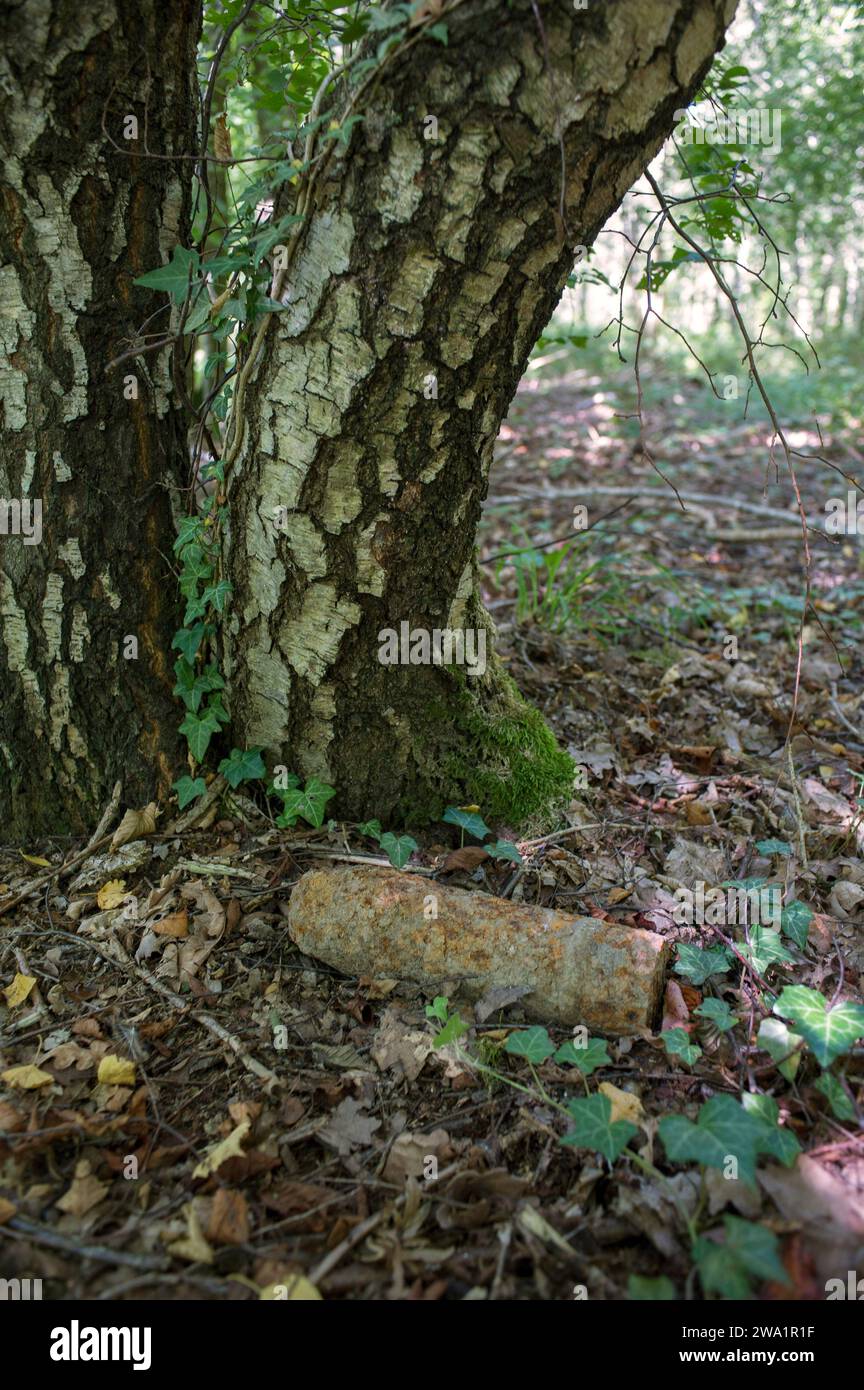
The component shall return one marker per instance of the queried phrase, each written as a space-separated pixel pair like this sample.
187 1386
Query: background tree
87 615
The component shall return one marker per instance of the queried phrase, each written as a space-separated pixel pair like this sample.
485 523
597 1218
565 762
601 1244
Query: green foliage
718 1013
305 803
782 1046
188 789
724 1129
698 964
656 1290
832 1090
504 849
466 820
765 949
795 922
242 766
398 848
534 1044
586 1059
677 1043
747 1252
829 1032
438 1008
593 1127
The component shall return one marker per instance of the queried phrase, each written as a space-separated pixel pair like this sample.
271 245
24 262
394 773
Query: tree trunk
436 252
88 610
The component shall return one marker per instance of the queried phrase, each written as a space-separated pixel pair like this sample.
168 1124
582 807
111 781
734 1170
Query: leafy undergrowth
193 1109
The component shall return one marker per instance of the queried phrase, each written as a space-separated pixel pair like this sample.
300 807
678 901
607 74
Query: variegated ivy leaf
829 1032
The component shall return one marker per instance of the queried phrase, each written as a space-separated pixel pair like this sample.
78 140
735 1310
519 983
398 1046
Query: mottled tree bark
79 221
436 253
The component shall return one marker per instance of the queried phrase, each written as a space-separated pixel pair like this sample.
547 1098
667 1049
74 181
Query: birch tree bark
88 609
436 250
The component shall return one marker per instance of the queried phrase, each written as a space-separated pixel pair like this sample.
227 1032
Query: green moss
510 765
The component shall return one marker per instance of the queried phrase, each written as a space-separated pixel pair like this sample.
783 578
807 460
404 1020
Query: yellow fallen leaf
226 1148
112 893
625 1106
34 859
7 1211
26 1078
85 1193
116 1071
20 987
135 824
295 1288
193 1246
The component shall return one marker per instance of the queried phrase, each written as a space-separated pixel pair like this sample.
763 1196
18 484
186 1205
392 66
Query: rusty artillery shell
375 921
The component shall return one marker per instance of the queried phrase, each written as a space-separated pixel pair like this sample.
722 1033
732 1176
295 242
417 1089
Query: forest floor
146 1150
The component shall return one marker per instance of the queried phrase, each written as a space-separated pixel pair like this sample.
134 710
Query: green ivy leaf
453 1029
188 640
188 788
657 1290
438 1008
780 1143
717 1011
191 687
504 849
782 1045
175 276
309 803
773 847
723 1130
697 964
189 532
766 948
217 595
587 1058
532 1043
795 922
837 1098
749 1251
593 1127
829 1032
199 729
466 820
398 848
242 766
677 1043
372 828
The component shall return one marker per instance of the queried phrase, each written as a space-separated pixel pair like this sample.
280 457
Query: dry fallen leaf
116 1071
229 1218
19 989
222 140
625 1106
85 1193
7 1211
226 1148
34 859
193 1246
112 893
26 1078
135 824
177 924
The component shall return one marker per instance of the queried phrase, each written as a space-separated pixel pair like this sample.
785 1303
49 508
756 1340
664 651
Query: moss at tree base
487 746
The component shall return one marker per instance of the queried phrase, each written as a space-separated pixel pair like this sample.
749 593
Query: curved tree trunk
87 607
436 253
